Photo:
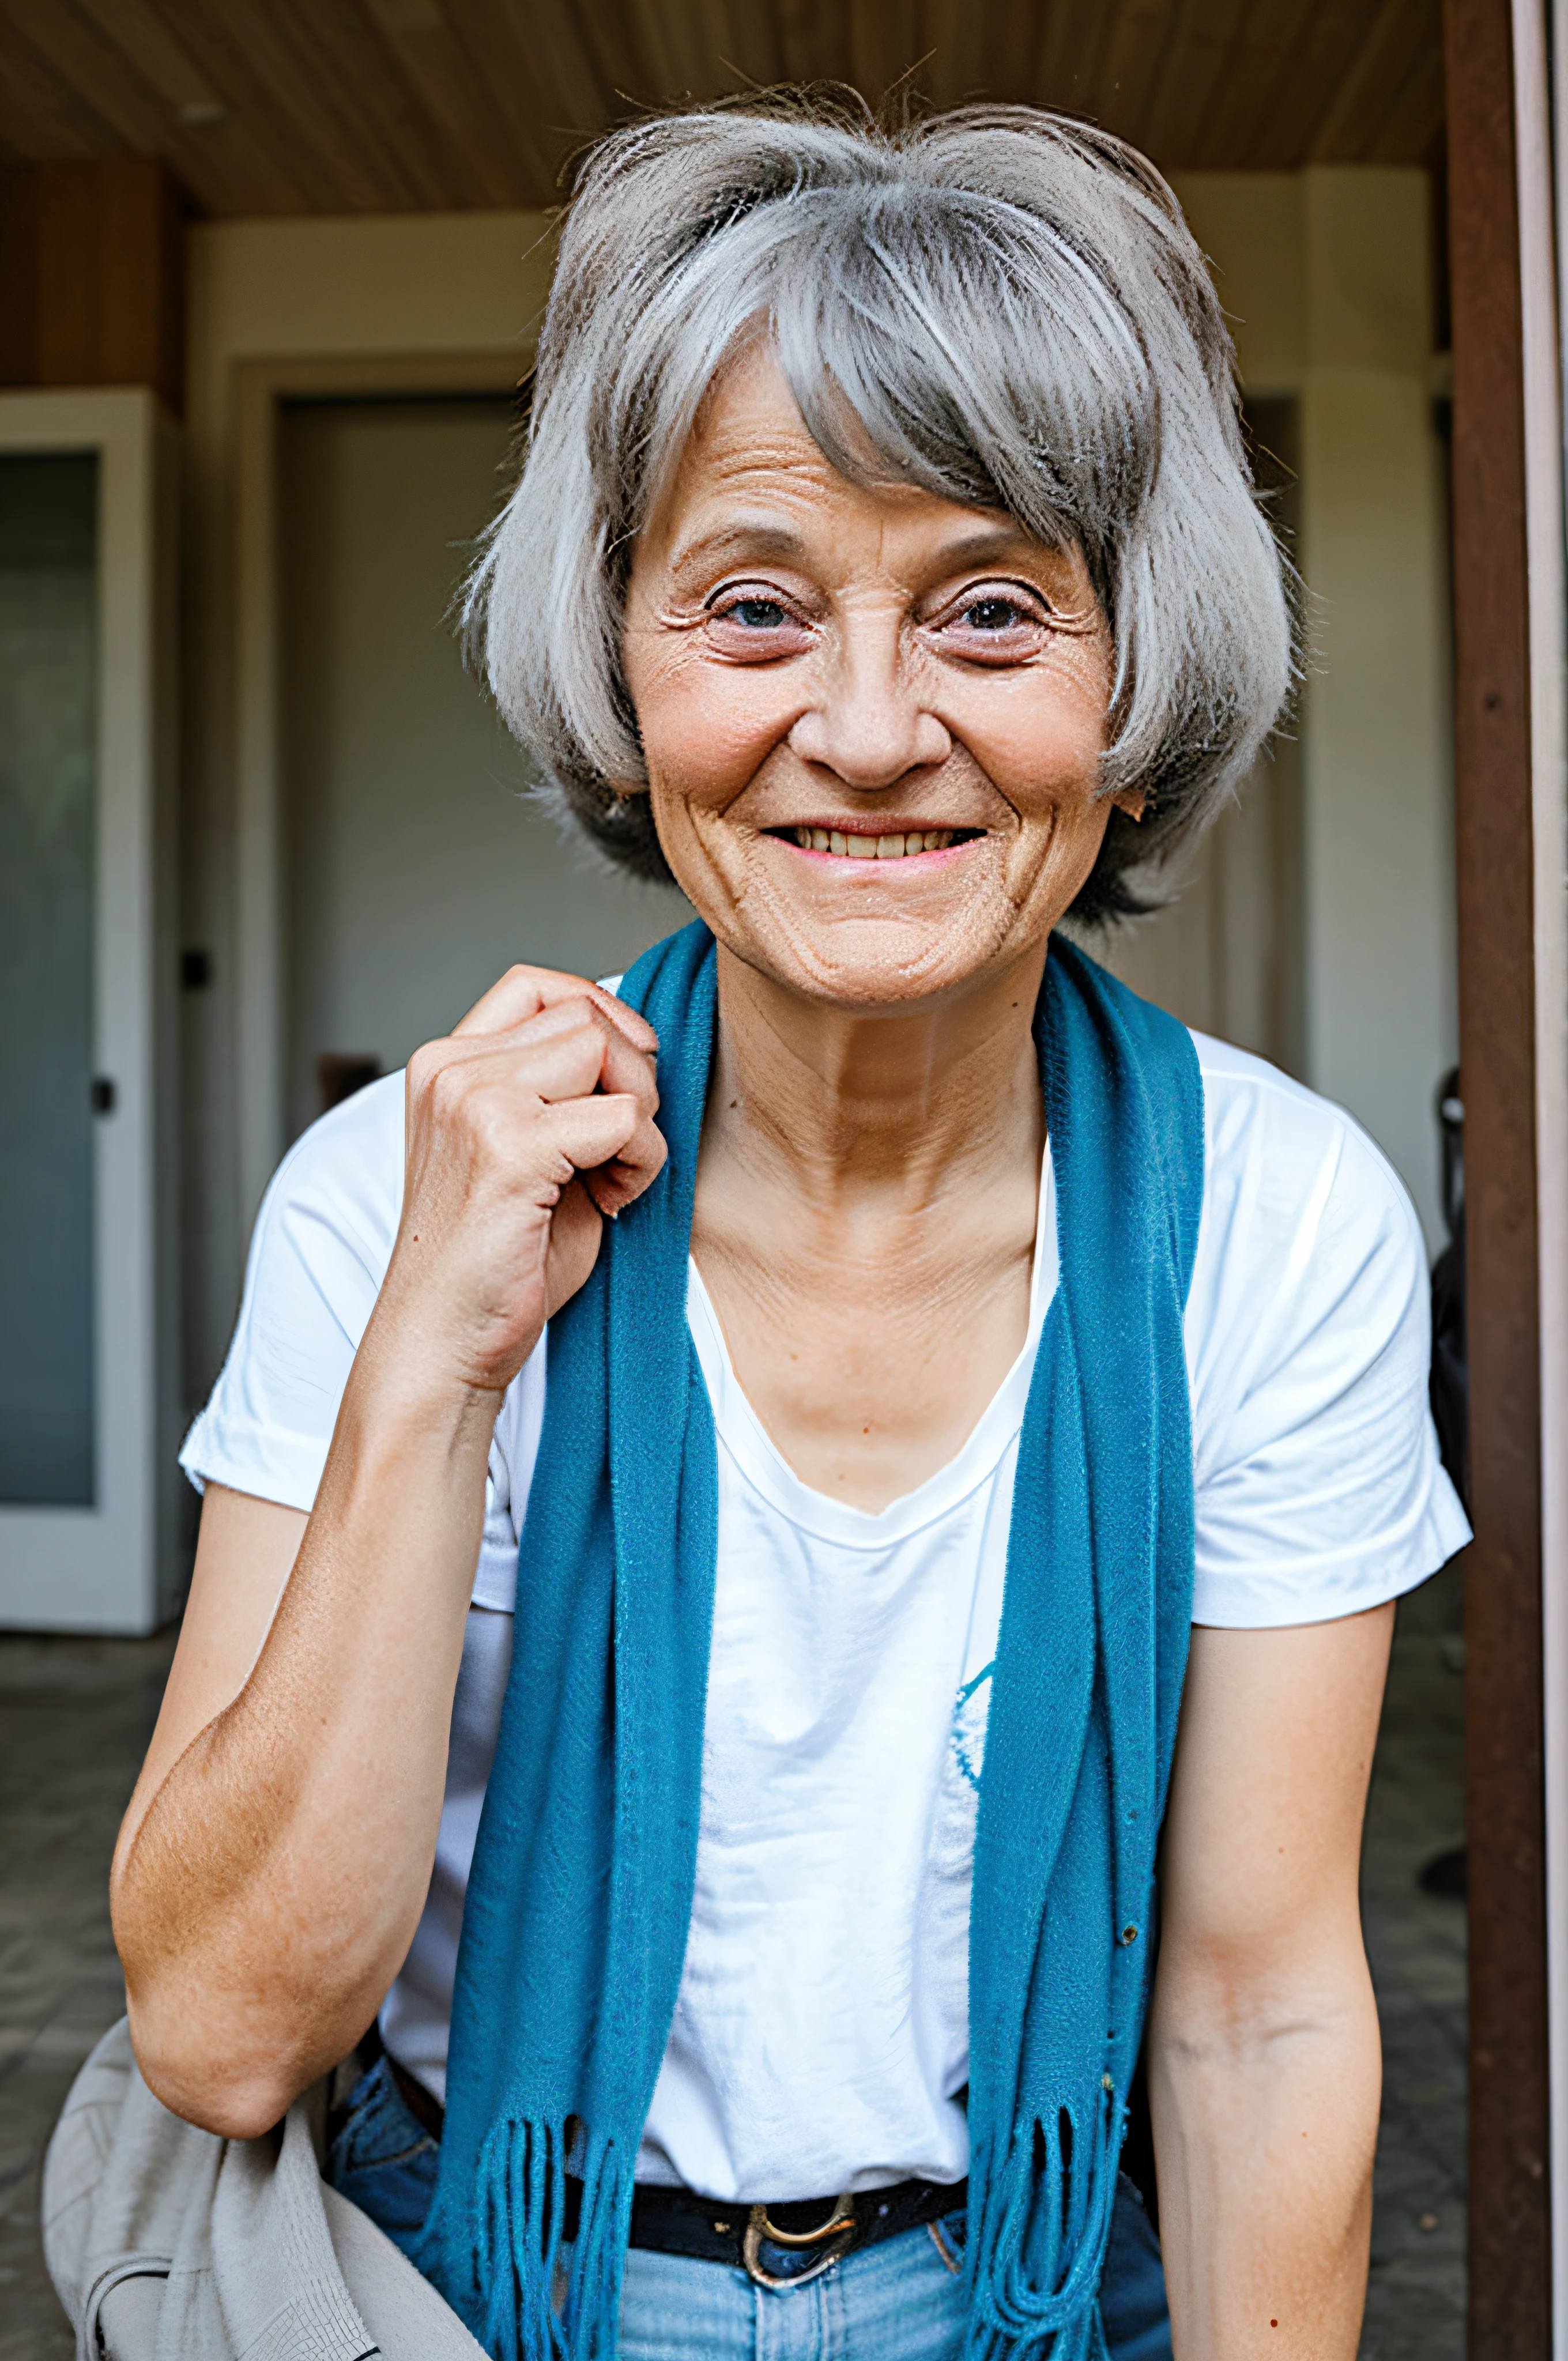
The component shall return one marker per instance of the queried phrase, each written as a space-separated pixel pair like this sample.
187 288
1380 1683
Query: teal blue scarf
574 1929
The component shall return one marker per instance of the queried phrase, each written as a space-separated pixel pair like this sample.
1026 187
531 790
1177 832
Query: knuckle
424 1065
446 1089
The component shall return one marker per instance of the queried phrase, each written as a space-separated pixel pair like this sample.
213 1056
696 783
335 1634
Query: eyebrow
764 538
757 538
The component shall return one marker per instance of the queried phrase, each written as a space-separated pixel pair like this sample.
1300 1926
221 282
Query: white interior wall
1327 277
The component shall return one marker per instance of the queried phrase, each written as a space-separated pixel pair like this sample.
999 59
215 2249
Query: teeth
873 848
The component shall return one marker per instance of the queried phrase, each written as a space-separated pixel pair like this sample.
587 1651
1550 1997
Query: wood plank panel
377 120
356 105
1325 49
1368 91
215 155
1258 75
1414 125
1509 2222
1136 42
1018 43
259 81
1194 81
91 276
39 114
955 34
456 102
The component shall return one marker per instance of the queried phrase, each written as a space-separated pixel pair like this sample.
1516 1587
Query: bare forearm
1263 2133
269 1890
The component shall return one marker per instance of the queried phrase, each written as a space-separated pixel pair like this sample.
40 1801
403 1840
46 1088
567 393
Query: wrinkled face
872 718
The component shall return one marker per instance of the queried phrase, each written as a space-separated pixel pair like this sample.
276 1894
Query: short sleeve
1318 1488
323 1240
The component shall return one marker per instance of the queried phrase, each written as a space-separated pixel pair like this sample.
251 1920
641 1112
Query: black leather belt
778 2246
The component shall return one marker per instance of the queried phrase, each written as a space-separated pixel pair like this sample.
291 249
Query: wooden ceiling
288 107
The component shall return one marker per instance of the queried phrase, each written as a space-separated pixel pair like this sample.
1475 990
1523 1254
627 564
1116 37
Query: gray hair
1002 306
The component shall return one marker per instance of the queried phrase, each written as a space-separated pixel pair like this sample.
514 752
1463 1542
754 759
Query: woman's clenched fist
532 1120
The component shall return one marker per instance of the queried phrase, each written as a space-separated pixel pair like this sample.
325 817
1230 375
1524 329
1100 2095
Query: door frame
118 1567
1511 777
260 914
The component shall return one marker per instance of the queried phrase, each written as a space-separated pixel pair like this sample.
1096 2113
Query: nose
870 725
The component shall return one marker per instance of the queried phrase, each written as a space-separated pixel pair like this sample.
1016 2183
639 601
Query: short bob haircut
1001 305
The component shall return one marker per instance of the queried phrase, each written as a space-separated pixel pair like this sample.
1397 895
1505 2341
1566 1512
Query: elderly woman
753 1506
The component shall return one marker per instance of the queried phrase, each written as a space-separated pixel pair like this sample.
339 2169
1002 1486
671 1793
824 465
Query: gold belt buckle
841 2227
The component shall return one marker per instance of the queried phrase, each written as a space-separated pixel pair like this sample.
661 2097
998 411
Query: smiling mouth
899 844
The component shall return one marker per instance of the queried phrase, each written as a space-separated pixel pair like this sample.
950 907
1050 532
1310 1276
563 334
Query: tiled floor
75 1716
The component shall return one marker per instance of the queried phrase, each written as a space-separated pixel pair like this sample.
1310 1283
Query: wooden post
92 276
1510 2261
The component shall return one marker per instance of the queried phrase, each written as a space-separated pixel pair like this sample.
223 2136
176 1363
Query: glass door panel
48 728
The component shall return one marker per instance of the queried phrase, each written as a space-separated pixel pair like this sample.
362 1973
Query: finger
621 1178
563 1052
568 1062
624 1065
576 1230
590 1133
524 991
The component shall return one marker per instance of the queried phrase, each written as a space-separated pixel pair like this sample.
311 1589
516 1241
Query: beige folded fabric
168 2243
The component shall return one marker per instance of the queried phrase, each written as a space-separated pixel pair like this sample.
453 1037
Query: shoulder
319 1253
1280 1162
339 1191
1309 1248
1318 1489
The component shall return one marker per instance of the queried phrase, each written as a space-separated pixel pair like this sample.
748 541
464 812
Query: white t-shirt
820 2040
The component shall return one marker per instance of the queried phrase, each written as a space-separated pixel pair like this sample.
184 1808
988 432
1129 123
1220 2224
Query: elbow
195 2080
1220 2005
204 2046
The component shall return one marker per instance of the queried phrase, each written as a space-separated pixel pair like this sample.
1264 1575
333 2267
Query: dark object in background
1447 1875
1450 1379
340 1074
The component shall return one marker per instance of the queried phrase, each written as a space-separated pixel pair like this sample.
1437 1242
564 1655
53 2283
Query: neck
842 1101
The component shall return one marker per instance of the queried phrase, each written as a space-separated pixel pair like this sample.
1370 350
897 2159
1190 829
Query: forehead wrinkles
751 452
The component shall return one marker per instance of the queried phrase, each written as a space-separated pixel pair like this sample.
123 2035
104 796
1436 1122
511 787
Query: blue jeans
895 2301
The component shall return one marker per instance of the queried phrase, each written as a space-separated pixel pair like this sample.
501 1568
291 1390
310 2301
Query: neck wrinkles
841 1101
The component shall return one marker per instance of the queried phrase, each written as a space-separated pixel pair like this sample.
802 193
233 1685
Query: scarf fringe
515 2294
1034 2196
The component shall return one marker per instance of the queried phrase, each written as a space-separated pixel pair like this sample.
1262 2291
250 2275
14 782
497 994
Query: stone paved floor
75 1716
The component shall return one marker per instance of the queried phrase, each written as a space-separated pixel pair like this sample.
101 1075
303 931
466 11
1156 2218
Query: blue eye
758 614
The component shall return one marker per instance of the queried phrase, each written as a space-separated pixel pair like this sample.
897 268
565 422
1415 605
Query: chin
866 960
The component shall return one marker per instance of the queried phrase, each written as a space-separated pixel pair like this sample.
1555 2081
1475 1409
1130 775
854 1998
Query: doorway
416 865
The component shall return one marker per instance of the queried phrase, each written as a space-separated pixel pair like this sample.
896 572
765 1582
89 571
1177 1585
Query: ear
1131 800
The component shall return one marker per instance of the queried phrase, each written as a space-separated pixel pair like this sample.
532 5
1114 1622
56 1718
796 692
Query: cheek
705 731
1040 742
